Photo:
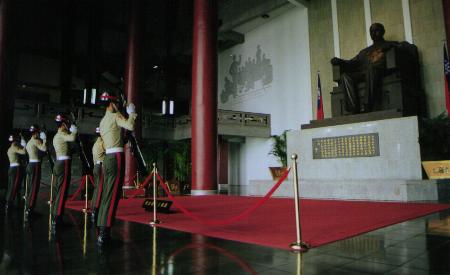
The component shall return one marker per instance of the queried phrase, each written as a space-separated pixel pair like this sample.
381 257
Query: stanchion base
155 222
299 247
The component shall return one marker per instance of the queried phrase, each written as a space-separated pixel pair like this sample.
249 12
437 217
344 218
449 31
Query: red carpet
323 221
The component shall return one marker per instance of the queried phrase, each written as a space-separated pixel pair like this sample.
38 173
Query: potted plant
181 155
279 150
434 139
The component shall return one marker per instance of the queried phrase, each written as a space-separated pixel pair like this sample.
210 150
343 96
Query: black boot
56 223
100 237
94 216
28 215
103 236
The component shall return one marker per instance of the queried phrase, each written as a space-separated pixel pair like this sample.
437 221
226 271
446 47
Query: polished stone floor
420 246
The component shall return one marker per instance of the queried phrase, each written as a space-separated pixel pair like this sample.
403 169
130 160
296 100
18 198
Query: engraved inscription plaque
353 146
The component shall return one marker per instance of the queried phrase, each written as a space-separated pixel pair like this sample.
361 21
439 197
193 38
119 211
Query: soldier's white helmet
106 97
34 129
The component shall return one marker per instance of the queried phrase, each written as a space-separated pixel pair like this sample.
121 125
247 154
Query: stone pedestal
345 161
398 146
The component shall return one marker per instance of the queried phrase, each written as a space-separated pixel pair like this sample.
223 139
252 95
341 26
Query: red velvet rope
75 180
146 181
144 184
242 215
91 179
78 191
44 184
84 180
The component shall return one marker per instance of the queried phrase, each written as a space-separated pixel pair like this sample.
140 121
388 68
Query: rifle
86 164
23 159
129 136
51 161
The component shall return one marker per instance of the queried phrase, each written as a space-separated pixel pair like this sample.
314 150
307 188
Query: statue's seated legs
373 79
374 82
352 98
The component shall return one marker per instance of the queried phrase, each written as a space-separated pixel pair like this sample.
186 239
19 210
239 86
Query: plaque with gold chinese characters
353 146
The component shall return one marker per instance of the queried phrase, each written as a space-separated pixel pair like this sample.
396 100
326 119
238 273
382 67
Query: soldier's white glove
42 136
131 108
73 128
23 143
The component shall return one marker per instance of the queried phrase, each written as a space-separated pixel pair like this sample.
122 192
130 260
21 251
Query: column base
203 192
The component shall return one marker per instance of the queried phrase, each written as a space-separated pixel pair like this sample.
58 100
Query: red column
204 98
132 85
222 161
446 8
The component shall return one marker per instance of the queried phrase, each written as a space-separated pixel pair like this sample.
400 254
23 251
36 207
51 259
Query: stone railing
230 123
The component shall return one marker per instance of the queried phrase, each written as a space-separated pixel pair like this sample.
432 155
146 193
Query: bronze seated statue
383 76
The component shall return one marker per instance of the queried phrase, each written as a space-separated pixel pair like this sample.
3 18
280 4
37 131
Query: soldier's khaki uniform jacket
13 153
60 142
110 128
34 145
98 150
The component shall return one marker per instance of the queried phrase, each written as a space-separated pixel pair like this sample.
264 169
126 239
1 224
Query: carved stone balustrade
230 123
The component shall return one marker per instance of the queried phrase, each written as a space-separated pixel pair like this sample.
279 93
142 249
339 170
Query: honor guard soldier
62 170
36 143
98 154
15 171
110 131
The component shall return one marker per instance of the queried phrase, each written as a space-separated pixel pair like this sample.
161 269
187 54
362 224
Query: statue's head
376 32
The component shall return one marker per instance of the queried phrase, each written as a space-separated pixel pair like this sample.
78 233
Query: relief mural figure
255 73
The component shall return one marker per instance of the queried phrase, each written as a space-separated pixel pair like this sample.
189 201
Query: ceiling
83 39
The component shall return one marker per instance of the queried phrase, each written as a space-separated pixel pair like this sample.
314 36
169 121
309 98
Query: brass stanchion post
299 263
50 206
154 221
25 200
154 251
298 245
85 211
85 235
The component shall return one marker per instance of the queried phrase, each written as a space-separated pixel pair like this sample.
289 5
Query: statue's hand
336 61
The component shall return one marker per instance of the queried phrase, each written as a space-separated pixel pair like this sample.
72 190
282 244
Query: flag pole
319 109
446 78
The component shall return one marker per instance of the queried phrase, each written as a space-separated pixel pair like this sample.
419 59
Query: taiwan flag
447 81
319 99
